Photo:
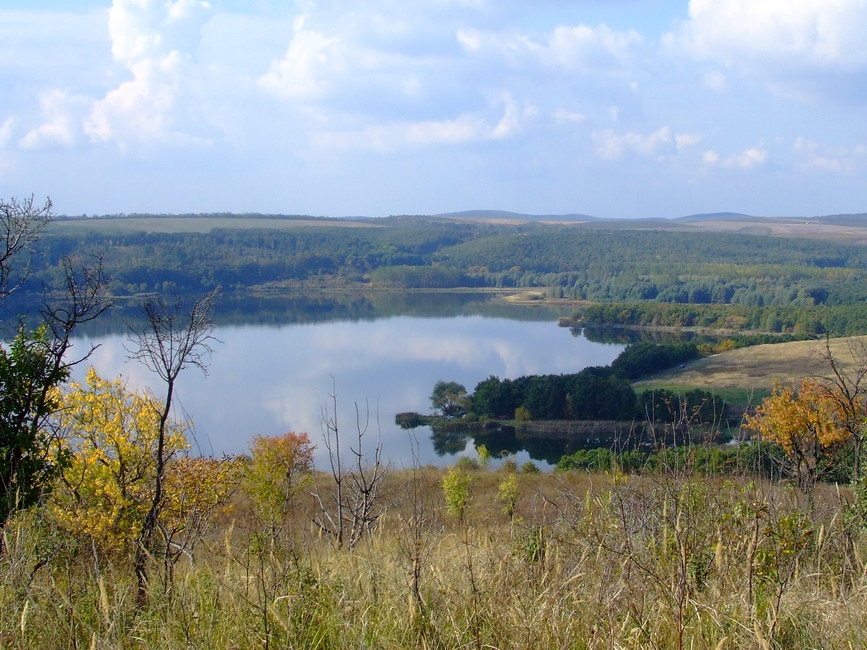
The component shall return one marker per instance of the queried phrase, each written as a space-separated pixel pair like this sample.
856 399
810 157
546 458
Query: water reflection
270 378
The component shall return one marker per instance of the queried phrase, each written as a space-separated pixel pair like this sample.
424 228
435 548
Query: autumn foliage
279 468
807 421
109 437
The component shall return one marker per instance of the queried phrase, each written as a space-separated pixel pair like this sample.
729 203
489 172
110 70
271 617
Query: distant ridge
844 219
515 216
716 216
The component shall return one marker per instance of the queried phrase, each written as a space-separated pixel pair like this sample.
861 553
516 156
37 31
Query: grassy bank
587 561
757 369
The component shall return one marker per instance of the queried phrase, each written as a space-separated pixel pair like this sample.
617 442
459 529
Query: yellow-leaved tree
111 435
809 424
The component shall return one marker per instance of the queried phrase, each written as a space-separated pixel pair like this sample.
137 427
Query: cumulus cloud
151 29
60 112
562 116
610 145
791 43
716 81
685 140
6 131
156 41
710 157
577 48
468 127
307 65
745 160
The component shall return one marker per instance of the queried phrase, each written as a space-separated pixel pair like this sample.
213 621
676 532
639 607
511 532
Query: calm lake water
272 377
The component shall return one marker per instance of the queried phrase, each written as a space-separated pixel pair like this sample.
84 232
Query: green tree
450 397
29 377
457 490
35 363
279 468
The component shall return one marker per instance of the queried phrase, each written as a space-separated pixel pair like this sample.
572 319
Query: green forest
644 277
583 263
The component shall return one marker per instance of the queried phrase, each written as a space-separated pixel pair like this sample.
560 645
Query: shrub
457 490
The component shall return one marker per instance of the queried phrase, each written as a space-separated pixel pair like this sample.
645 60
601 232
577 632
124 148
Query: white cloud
469 127
562 116
583 47
576 48
716 81
307 65
791 43
152 29
611 145
813 156
140 110
156 41
684 140
61 118
6 130
746 160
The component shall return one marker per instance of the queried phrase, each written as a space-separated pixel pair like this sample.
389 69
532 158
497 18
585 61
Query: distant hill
499 215
715 216
844 219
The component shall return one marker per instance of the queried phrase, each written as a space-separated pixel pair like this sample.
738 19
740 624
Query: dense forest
711 279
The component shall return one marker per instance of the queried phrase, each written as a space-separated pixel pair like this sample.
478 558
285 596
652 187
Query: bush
408 420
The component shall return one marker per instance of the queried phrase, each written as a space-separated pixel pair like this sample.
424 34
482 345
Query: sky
614 108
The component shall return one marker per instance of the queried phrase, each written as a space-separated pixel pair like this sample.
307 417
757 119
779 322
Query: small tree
450 398
278 470
845 387
29 377
355 505
21 223
508 495
168 343
457 490
36 363
109 437
805 422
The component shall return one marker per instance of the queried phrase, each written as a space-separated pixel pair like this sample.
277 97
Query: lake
275 366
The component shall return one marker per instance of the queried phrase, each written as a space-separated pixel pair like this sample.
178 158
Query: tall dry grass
589 561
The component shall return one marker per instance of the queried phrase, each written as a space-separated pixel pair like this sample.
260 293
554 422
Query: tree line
594 393
606 265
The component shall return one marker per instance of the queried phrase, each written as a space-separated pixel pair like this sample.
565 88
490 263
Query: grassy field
587 561
756 369
172 224
777 227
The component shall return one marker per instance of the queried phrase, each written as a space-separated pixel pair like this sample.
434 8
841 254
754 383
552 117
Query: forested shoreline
568 261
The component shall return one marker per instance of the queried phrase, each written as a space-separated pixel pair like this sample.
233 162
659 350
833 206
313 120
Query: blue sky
616 108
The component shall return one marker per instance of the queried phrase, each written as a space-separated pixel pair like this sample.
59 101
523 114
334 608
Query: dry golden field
758 367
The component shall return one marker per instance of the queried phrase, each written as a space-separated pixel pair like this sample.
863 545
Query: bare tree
355 505
169 341
845 384
21 223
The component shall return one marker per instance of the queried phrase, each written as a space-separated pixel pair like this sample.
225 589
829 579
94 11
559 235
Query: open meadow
757 368
563 560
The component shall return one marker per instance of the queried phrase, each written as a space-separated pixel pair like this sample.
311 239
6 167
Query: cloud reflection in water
269 380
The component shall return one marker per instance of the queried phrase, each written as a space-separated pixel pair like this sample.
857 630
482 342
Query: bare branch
21 223
168 343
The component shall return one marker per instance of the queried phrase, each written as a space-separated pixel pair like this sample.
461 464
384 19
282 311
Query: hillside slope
760 367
